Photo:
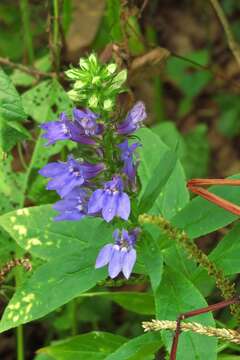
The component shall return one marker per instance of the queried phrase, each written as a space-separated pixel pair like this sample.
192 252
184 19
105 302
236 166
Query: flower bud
93 101
111 68
108 104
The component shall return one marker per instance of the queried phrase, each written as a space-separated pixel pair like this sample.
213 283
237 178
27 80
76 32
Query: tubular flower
130 166
87 122
66 176
133 120
65 129
121 256
73 206
111 200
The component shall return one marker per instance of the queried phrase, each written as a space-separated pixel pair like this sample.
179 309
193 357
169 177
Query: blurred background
179 64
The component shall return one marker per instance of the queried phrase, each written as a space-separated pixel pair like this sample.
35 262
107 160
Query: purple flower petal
53 169
128 262
104 256
124 207
115 263
110 204
96 202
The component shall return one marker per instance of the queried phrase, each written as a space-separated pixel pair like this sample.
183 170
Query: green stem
74 321
27 33
56 47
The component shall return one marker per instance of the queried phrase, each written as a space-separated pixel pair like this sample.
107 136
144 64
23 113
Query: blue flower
66 176
130 166
133 120
65 129
121 256
111 200
73 206
87 121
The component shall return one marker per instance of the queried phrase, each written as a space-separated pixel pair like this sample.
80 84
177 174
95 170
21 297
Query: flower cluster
96 85
103 183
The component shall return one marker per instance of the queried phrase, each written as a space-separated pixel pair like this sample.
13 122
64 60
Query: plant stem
27 33
56 44
73 307
233 45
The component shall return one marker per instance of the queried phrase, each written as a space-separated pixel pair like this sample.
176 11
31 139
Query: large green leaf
226 253
45 101
52 285
10 102
140 348
36 232
174 196
153 260
177 295
159 178
201 217
11 113
91 346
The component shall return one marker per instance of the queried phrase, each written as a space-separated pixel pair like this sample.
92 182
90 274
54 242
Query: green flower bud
108 104
93 60
72 74
119 79
78 84
73 95
93 101
83 63
111 68
96 80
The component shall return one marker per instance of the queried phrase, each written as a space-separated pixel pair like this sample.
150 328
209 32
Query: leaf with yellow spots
53 285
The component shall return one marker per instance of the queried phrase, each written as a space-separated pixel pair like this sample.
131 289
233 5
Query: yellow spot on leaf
23 212
21 229
28 297
15 318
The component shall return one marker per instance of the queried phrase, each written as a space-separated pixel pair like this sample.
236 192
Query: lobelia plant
104 182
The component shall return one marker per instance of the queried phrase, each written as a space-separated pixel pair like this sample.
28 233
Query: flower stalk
223 334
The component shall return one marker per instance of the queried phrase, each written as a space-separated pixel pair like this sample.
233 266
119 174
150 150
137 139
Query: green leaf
201 217
11 113
36 232
140 303
159 178
177 295
174 195
52 285
226 253
10 102
140 348
95 345
46 101
153 260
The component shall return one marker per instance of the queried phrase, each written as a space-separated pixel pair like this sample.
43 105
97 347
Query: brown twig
27 69
7 268
233 45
